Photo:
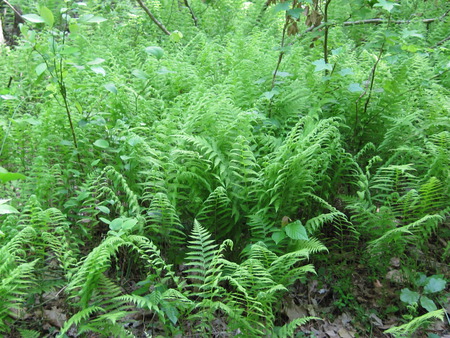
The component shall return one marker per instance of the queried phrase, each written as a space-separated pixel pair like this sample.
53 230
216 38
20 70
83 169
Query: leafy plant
428 286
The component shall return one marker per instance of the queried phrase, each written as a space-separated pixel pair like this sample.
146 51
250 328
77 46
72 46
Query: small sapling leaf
355 87
427 304
47 16
40 68
322 65
434 284
101 144
278 236
296 230
34 18
157 52
409 297
111 87
99 70
282 6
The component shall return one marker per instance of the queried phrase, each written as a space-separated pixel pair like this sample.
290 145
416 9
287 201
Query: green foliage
131 161
409 328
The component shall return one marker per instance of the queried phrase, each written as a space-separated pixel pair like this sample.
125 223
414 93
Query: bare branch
152 17
13 8
194 18
398 22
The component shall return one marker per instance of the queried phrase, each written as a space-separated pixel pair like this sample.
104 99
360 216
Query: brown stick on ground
153 18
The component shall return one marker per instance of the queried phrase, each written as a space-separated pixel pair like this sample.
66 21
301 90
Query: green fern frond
204 260
288 329
404 233
79 317
16 276
216 214
418 322
161 218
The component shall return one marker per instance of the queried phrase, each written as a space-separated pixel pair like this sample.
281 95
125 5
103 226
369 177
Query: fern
409 328
216 214
16 276
288 329
203 262
161 218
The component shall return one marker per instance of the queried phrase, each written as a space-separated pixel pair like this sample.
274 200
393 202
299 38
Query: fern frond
288 329
79 317
216 214
416 323
161 218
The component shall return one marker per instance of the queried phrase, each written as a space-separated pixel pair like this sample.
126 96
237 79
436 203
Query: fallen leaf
55 316
344 333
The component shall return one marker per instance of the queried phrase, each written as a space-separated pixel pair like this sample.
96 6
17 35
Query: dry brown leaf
344 333
55 316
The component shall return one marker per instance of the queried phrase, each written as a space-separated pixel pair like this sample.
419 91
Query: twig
194 18
325 41
152 17
368 90
398 22
280 57
13 8
441 42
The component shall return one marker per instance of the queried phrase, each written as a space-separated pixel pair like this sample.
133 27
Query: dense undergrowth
158 184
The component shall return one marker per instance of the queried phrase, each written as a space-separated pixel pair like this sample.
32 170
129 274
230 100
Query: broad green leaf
409 297
101 144
111 87
346 71
427 304
96 61
283 74
134 140
386 5
40 68
140 74
103 209
6 177
74 27
47 15
8 97
422 280
7 209
171 312
99 70
33 18
296 230
355 87
129 224
157 52
104 220
434 284
322 65
176 36
337 51
295 12
116 224
272 93
90 18
278 236
282 6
